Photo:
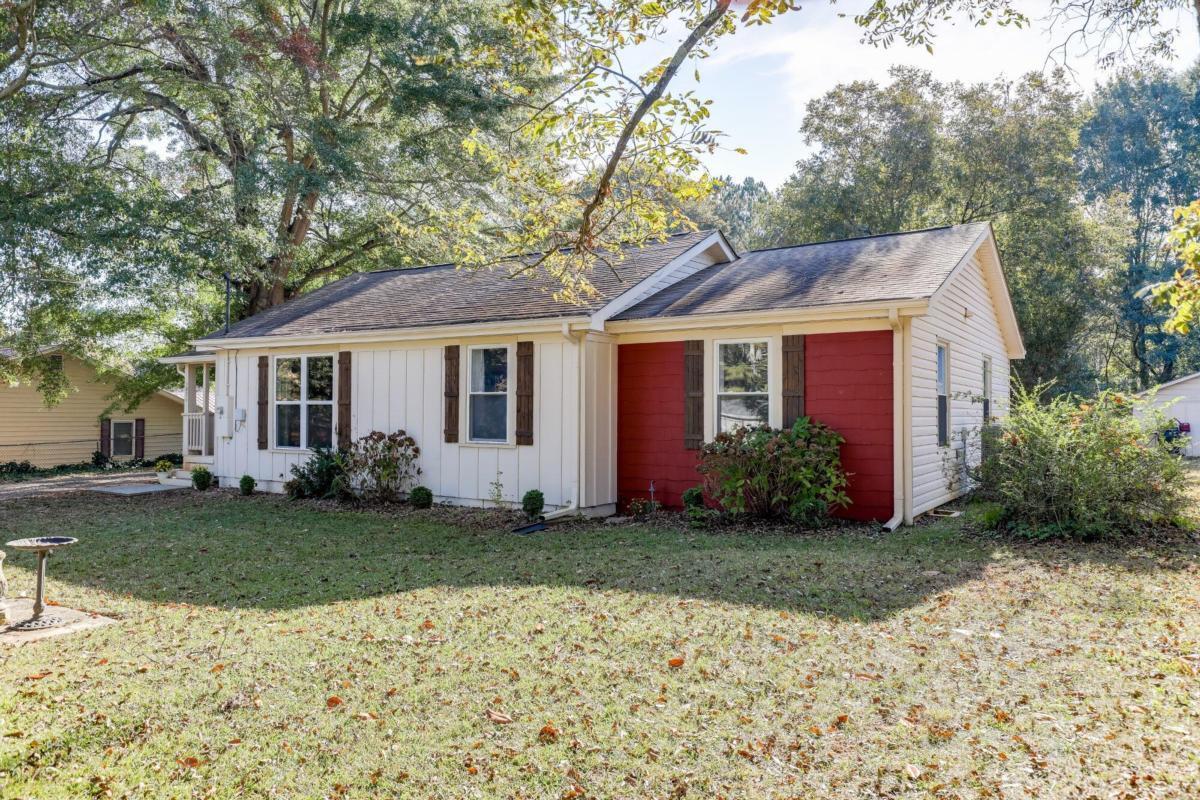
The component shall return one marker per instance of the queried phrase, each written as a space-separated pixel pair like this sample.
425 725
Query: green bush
202 479
247 484
793 474
1081 468
420 497
533 503
380 465
693 497
163 465
322 476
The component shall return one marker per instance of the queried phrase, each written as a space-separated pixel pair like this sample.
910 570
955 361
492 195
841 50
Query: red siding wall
848 386
650 424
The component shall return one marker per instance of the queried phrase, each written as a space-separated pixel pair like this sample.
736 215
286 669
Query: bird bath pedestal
43 546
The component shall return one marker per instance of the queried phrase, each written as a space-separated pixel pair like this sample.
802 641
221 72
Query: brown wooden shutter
106 437
693 394
264 405
343 400
793 379
524 392
451 393
139 438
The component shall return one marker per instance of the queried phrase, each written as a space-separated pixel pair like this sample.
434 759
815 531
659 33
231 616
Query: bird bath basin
43 546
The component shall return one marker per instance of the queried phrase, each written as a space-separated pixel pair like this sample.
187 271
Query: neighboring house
895 341
69 432
1180 400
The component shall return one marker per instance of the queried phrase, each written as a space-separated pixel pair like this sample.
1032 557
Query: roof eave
874 309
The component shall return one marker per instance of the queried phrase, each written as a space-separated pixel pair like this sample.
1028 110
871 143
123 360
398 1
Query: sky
761 78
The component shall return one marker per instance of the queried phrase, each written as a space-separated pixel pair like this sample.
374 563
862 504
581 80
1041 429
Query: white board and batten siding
963 316
400 385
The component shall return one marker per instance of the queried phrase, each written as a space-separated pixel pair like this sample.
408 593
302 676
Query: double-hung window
943 395
987 390
743 385
488 401
122 439
304 401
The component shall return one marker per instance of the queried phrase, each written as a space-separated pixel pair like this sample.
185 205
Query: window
304 401
487 416
122 439
943 396
743 385
987 390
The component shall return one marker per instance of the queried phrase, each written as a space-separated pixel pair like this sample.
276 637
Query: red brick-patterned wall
848 386
650 424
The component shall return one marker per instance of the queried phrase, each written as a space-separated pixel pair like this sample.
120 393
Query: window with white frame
122 439
304 401
743 385
987 390
488 401
943 395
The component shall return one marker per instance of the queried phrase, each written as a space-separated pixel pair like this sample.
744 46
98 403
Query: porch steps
177 477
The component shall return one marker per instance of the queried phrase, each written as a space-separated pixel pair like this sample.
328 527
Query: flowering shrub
381 465
794 474
1081 468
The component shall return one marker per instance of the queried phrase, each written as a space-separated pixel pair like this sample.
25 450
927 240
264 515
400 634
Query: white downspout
898 470
572 508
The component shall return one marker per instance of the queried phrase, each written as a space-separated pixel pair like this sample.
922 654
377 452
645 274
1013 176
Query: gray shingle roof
443 295
896 266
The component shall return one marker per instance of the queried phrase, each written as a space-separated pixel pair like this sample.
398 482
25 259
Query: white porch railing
195 433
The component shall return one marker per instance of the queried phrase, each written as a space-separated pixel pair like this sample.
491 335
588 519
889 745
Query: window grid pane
287 425
122 439
489 370
320 425
489 417
319 382
741 410
743 367
287 379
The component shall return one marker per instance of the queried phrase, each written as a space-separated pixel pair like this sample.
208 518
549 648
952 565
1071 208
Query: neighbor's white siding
400 385
1181 401
964 317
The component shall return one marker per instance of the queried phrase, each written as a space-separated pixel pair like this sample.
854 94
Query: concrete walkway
58 484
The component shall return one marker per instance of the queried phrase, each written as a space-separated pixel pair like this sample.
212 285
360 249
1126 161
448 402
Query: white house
899 342
1180 400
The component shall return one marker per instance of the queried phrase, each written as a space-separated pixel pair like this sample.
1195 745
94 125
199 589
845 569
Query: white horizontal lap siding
1181 401
400 387
971 336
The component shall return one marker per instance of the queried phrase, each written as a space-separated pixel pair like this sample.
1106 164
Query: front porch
199 404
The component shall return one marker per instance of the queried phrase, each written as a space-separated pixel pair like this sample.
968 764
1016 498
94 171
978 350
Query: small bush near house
16 468
420 497
322 477
247 484
380 465
793 474
533 503
641 507
163 465
1081 468
202 479
99 459
174 459
693 497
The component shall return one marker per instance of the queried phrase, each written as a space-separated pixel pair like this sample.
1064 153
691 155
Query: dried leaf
333 702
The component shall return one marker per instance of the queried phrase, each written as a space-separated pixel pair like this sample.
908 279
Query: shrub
794 474
641 507
380 465
420 497
202 479
1081 468
322 476
693 497
533 503
163 465
247 484
174 459
99 459
17 468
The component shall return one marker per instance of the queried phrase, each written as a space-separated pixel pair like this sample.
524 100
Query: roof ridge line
858 238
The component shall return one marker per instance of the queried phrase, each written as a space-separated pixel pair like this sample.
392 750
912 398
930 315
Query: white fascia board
1001 298
632 296
843 311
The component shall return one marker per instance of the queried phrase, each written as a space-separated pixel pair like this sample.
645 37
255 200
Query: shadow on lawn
266 553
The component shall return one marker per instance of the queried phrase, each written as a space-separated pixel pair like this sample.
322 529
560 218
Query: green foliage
793 474
1182 292
163 465
1066 467
246 485
641 507
420 497
380 465
100 459
323 476
533 503
16 467
202 478
693 497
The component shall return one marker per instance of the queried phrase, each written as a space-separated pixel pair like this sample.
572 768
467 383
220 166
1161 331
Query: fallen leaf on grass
498 717
333 702
676 662
912 771
217 668
548 733
191 762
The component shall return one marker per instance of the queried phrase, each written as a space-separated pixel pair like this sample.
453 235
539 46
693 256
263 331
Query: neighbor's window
987 390
487 417
304 401
743 375
122 439
943 397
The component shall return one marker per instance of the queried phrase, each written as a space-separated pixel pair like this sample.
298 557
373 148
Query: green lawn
269 649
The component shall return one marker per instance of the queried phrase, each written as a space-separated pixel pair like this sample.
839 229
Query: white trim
1167 385
302 403
939 346
767 342
634 294
788 316
112 438
510 408
997 285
